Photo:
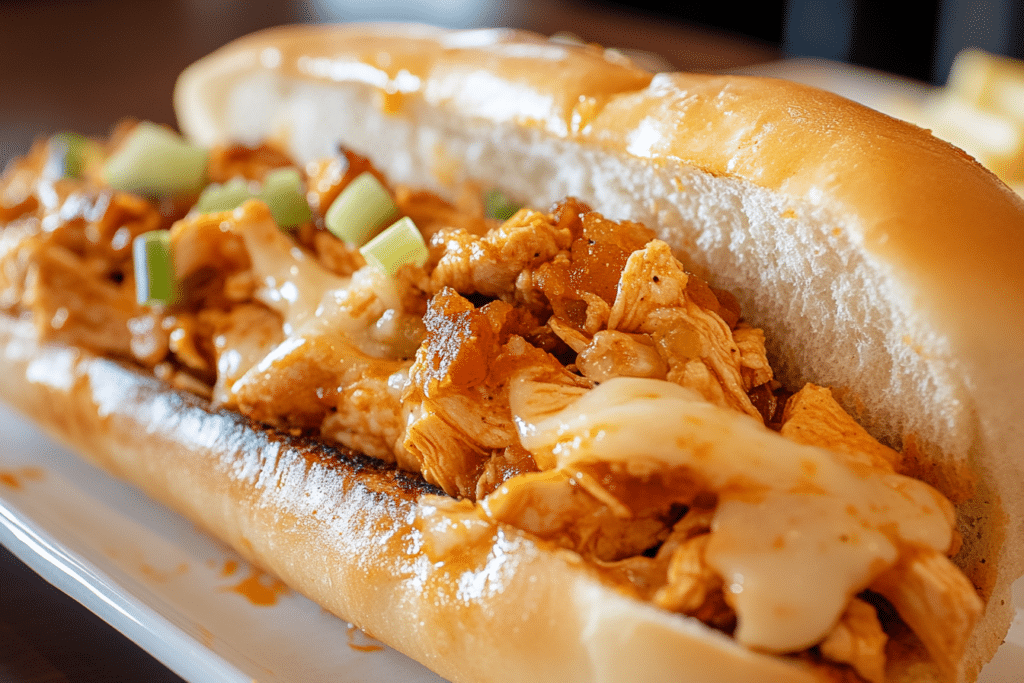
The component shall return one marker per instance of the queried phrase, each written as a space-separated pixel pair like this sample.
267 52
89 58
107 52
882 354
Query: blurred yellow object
981 110
990 82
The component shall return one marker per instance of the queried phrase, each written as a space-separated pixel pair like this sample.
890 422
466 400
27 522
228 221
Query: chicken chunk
209 256
689 580
490 265
617 354
243 337
754 367
935 599
300 381
367 414
552 506
503 465
696 344
459 385
859 641
578 285
813 417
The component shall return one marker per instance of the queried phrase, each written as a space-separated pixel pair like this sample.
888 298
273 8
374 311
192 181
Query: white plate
175 592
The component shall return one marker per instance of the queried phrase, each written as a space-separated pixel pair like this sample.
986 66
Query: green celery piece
224 196
498 205
67 153
154 269
284 193
155 161
399 244
360 210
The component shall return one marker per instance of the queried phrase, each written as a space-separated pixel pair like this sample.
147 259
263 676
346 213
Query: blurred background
83 64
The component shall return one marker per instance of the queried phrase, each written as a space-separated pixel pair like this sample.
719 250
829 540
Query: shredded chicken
858 640
490 265
238 161
73 304
812 416
625 309
67 260
460 385
579 283
696 344
936 601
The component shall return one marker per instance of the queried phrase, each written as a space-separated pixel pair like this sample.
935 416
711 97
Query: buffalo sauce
15 479
259 588
360 641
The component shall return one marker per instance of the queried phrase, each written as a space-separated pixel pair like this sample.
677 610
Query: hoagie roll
727 393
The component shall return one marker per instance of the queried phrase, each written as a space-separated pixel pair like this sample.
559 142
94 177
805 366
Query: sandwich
508 351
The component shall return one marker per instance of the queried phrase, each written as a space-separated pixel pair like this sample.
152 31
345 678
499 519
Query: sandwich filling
551 370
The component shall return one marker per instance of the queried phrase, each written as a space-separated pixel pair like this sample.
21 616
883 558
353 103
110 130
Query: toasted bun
880 261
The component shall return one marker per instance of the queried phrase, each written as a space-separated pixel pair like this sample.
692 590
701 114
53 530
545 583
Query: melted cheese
798 530
311 300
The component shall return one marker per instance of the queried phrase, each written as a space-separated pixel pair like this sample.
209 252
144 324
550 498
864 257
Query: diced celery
154 270
360 210
498 205
154 160
399 244
223 196
66 158
284 193
281 190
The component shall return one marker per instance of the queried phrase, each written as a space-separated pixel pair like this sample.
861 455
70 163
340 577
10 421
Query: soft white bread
879 260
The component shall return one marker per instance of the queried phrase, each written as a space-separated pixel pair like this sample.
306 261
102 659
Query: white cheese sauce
313 301
798 530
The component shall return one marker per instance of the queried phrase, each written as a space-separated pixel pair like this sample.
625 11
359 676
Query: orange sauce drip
15 479
355 635
206 636
260 589
160 575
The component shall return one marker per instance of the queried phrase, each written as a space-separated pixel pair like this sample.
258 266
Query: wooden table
83 66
